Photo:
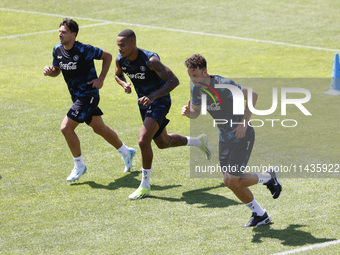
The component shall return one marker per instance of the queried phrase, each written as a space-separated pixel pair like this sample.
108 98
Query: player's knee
98 130
67 127
227 183
143 142
64 129
232 183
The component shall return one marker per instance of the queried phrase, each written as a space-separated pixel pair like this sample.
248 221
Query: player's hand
96 83
186 110
240 131
127 87
48 70
145 100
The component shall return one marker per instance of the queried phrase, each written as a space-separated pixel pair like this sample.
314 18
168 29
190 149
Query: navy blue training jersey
145 81
78 68
219 107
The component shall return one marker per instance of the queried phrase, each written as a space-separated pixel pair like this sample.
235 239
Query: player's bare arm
191 111
107 59
165 74
240 130
51 71
120 78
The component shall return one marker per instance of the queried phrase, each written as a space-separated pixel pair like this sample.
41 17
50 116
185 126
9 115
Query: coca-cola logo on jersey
68 66
139 76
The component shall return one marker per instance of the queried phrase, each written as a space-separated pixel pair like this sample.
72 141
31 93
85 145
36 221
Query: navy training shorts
234 156
158 112
83 109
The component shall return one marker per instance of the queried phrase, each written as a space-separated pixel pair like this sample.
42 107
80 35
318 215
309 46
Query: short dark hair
71 25
128 33
195 61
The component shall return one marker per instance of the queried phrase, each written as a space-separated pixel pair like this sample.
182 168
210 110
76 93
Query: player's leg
234 157
67 128
154 121
147 132
240 155
201 142
239 185
100 128
165 140
237 158
77 114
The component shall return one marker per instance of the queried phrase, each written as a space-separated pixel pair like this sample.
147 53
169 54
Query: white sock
255 208
78 161
123 150
264 178
145 178
193 141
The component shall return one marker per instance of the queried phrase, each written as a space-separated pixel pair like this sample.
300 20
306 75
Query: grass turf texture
41 214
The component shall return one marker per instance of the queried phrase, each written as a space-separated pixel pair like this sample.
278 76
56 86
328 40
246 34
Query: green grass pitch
41 214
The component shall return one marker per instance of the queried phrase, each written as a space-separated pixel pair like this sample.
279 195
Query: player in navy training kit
235 141
75 61
153 82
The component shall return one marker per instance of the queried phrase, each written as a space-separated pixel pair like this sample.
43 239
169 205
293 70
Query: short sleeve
93 52
55 62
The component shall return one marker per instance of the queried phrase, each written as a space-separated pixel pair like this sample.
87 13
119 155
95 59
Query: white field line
104 22
310 247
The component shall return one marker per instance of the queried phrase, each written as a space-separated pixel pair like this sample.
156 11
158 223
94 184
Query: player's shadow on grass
202 197
127 181
197 196
291 236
